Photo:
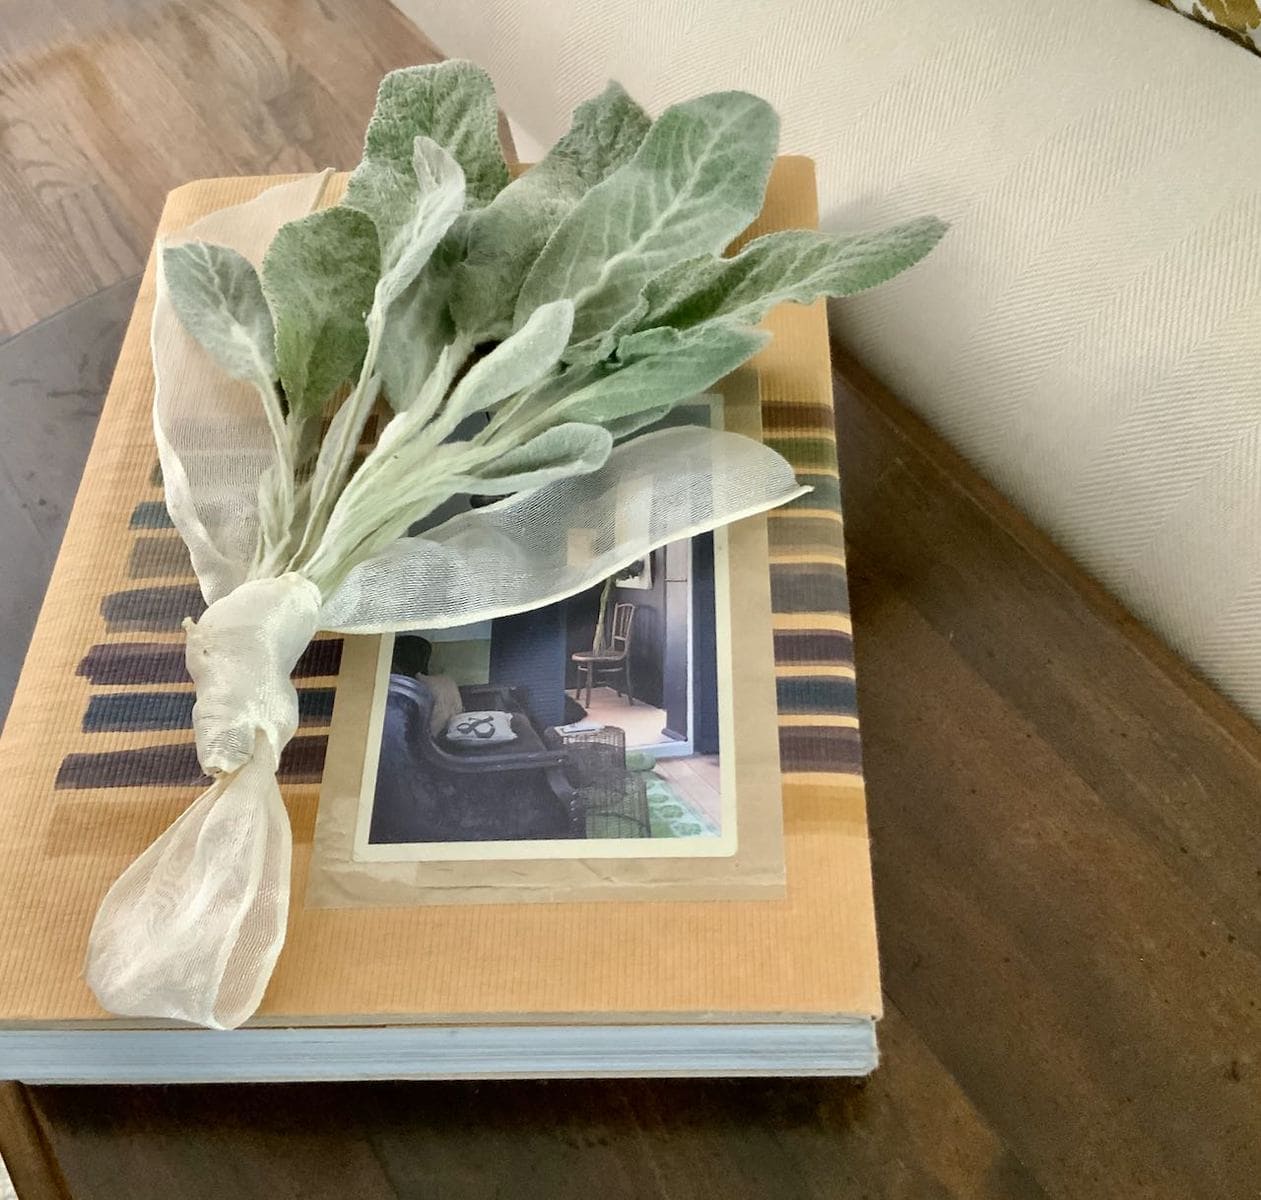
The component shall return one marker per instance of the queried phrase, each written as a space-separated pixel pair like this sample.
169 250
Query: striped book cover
139 684
98 758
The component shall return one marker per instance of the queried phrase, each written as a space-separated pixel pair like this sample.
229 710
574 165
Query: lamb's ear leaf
622 428
561 452
515 364
604 133
653 371
418 325
795 264
217 296
697 180
507 236
600 346
411 215
453 103
318 276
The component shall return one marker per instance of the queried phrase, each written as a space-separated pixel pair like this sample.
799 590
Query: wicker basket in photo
591 755
617 807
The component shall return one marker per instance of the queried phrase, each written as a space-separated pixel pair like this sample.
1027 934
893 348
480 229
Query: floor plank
697 781
106 105
642 722
29 1160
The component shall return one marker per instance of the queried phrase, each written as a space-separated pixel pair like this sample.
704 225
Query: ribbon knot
240 655
192 928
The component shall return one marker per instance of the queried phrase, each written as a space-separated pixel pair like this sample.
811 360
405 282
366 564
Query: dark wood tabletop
1066 824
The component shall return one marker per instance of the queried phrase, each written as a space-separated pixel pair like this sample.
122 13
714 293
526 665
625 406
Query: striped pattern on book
139 683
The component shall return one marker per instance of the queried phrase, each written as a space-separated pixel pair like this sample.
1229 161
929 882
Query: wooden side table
1065 826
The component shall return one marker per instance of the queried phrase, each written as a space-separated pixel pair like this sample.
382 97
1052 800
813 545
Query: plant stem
356 506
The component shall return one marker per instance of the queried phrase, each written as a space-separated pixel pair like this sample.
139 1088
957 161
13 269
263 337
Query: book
98 759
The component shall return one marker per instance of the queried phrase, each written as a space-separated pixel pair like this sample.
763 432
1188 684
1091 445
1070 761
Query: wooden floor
106 105
697 781
642 722
1066 826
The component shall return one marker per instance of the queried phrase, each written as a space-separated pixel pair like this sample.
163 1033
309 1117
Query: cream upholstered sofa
1089 333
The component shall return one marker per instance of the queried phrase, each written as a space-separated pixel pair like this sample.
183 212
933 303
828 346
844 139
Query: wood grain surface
106 105
1065 822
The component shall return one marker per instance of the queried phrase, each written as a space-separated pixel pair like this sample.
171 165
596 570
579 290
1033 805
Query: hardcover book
622 834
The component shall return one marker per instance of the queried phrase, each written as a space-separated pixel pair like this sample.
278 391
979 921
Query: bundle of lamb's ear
526 335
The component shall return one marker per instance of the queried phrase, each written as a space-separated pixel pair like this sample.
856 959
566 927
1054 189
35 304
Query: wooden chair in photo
611 659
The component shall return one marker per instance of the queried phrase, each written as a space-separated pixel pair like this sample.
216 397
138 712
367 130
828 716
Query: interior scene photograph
596 717
638 599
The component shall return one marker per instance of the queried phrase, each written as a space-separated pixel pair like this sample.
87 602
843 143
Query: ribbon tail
191 930
541 546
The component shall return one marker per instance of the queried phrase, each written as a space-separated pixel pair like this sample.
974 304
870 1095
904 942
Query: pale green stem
504 415
342 452
366 522
339 488
281 483
360 502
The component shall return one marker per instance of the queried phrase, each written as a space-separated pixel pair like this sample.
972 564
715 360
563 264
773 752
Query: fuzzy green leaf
654 371
511 367
509 233
453 103
559 453
415 219
795 264
418 324
515 364
697 179
318 276
219 300
600 346
622 428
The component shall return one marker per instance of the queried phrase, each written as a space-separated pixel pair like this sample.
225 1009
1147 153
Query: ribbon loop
192 928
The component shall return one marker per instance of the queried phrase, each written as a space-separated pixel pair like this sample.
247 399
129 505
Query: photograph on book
589 726
621 743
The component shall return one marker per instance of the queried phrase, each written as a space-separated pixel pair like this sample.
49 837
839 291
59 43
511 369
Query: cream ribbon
192 929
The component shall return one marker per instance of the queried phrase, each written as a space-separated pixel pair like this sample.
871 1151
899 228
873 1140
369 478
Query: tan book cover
97 758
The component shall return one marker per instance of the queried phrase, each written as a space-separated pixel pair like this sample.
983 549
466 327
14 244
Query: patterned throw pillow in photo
480 729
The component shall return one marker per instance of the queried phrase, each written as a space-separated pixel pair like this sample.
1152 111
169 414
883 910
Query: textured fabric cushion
1239 20
481 729
1087 332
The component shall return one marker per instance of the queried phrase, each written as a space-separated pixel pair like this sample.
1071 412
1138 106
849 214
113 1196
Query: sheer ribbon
192 929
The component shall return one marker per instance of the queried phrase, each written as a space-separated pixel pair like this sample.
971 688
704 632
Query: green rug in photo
671 817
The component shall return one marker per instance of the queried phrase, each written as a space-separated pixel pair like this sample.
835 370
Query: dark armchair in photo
431 789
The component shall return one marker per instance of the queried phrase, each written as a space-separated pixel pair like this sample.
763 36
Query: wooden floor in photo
1065 822
642 723
697 782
